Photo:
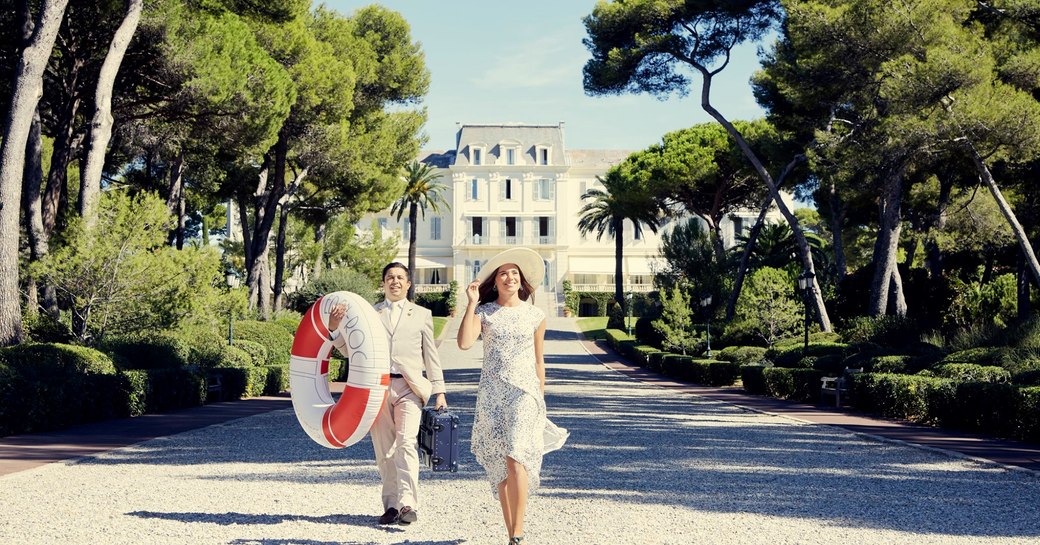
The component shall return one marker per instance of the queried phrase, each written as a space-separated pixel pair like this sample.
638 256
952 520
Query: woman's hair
489 293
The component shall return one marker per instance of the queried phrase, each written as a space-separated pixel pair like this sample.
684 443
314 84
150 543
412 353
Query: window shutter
502 189
552 189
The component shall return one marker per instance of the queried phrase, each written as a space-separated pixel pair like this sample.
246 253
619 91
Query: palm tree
421 191
622 198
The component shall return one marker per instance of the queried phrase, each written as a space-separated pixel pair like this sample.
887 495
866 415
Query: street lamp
805 284
704 304
628 296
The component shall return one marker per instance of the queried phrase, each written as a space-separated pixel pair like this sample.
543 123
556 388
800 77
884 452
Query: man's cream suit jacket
412 348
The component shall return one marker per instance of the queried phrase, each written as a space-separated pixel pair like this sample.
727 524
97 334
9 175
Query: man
394 433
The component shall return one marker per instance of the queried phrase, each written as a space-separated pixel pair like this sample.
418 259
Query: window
509 189
543 156
738 226
637 234
383 222
583 187
543 226
406 229
477 230
478 156
435 276
510 156
474 190
543 190
476 269
435 230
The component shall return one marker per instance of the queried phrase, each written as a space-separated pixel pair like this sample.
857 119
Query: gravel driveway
643 466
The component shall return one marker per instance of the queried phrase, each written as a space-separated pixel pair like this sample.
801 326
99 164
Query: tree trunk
715 234
279 257
896 295
175 197
745 259
413 216
46 299
181 218
264 295
1022 276
101 125
243 220
66 146
749 247
619 249
933 254
319 238
887 245
1009 215
26 89
803 245
267 196
838 210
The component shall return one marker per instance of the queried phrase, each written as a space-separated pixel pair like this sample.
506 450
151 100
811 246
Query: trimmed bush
277 380
256 351
908 397
742 355
883 330
980 356
889 364
615 337
791 355
158 390
793 384
287 320
50 386
753 378
970 372
157 350
641 354
274 338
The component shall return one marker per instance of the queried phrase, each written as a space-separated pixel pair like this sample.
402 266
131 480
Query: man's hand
440 403
336 316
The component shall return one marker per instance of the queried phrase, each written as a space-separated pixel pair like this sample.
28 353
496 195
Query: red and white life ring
339 424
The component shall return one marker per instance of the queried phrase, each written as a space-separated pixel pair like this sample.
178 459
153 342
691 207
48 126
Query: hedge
158 390
753 378
791 355
156 350
274 338
743 355
701 371
793 384
641 354
257 352
615 337
970 372
45 386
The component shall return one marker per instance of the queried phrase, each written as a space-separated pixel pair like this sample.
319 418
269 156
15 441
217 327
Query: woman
510 429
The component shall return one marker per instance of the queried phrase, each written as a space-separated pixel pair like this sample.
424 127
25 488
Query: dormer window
478 156
509 153
543 155
510 156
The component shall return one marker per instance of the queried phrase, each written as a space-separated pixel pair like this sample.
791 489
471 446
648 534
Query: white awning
429 262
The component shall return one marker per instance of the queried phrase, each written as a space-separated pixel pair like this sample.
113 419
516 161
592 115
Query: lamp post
805 283
704 304
628 297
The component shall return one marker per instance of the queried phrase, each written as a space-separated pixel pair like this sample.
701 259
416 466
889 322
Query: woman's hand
473 292
336 316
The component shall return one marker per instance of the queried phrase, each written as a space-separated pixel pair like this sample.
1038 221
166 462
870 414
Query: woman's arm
539 354
469 330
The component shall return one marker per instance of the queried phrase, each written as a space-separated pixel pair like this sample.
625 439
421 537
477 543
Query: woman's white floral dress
510 413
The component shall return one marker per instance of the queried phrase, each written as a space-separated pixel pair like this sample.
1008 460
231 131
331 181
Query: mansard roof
529 137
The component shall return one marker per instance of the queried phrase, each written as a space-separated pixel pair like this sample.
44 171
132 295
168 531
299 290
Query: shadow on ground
634 443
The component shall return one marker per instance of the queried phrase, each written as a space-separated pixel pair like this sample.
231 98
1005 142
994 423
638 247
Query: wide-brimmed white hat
528 260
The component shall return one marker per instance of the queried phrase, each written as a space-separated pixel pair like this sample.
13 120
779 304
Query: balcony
635 288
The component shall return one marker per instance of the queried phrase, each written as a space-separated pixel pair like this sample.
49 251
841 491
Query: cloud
549 61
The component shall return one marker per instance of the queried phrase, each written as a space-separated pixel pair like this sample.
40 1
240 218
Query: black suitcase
439 440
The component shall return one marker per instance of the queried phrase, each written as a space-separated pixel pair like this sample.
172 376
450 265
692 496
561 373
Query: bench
214 387
838 387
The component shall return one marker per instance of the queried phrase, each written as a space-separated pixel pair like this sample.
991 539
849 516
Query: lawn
438 325
595 327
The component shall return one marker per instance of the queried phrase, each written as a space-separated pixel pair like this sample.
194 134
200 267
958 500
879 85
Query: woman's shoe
515 540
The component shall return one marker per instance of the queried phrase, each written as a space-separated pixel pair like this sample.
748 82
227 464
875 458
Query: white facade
517 185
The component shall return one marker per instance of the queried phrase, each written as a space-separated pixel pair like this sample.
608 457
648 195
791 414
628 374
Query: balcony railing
636 288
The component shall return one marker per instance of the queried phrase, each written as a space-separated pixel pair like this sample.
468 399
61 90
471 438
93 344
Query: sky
506 62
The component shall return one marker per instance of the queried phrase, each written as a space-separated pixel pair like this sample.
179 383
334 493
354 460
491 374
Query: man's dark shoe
389 517
408 515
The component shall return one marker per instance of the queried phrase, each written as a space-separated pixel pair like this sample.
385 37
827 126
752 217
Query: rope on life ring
330 423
